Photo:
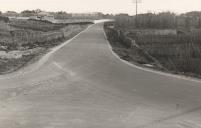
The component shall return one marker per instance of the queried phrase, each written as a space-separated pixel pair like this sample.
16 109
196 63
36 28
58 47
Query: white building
93 14
43 16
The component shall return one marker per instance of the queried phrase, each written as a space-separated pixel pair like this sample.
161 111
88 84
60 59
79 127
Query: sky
105 6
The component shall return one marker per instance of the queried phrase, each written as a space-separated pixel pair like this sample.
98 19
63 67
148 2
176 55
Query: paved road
83 85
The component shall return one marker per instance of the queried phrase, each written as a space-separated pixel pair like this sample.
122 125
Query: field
36 25
23 40
179 54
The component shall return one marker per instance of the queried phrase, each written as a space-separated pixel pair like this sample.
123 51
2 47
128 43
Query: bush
5 19
117 36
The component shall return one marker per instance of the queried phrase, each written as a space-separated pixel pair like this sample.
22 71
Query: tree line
163 20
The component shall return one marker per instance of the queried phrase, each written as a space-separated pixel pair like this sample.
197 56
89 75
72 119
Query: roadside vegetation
36 25
128 50
22 41
173 42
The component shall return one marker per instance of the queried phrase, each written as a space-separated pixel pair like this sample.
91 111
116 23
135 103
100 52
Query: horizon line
153 12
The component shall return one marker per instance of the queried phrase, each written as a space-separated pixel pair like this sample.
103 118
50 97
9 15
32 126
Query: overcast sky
105 6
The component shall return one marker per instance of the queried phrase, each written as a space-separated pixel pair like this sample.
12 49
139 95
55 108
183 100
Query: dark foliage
5 19
164 20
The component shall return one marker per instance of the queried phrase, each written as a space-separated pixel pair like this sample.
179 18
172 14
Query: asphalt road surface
84 85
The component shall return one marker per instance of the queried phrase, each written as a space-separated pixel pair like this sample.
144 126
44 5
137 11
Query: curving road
84 85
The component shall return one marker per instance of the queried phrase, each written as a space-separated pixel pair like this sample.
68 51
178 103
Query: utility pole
136 24
136 16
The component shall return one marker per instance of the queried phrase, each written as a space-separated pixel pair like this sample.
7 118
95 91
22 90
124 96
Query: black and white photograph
100 64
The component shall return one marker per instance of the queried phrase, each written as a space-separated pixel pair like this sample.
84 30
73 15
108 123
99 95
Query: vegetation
10 65
23 40
164 20
36 25
178 52
4 19
127 49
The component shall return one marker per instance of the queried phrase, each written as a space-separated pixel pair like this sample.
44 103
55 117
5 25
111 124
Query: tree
61 12
28 13
5 19
187 23
199 23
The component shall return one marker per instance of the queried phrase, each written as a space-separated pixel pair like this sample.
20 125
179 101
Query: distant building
42 13
33 17
45 16
87 15
48 18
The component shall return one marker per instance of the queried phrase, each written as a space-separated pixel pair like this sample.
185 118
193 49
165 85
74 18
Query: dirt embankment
22 41
173 53
128 49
